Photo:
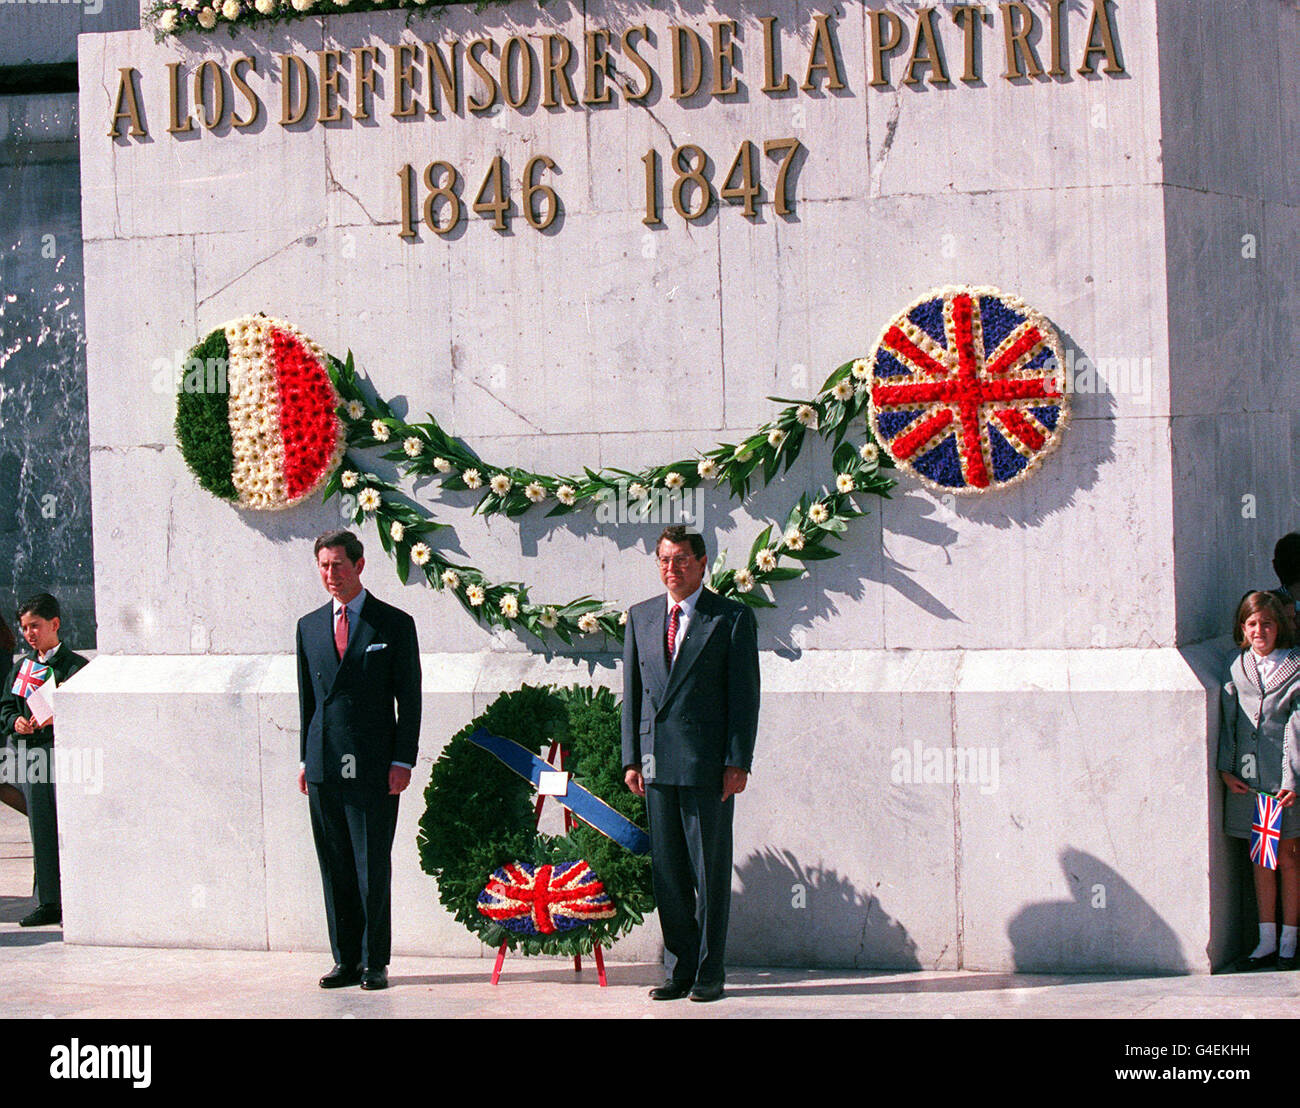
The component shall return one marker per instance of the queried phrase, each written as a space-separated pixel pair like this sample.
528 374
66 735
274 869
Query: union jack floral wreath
478 831
967 389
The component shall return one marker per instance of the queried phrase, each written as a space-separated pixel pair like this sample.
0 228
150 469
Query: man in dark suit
690 717
39 621
359 695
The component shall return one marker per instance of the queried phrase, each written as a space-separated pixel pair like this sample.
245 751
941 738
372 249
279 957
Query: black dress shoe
374 978
45 914
670 990
340 977
1264 961
706 993
1287 963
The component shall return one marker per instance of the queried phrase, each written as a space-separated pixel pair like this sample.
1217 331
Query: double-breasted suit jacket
1259 737
682 724
360 714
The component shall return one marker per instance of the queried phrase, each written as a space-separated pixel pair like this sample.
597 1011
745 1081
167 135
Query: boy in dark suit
39 621
359 696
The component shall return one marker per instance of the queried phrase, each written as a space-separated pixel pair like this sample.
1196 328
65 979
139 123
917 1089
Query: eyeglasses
677 561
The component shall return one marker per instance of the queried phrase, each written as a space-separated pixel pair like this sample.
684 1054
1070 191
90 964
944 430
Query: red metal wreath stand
556 751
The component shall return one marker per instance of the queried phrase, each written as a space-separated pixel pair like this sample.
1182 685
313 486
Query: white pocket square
376 646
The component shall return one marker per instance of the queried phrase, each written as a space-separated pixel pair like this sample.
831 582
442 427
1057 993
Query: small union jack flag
540 900
1266 831
31 676
965 389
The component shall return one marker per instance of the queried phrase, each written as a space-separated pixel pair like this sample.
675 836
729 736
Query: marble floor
44 977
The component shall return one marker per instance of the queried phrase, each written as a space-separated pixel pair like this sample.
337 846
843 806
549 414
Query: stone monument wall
976 718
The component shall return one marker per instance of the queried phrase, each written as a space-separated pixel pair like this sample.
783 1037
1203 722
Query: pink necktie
341 633
673 619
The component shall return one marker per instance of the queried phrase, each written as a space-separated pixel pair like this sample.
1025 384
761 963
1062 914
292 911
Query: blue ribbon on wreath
583 804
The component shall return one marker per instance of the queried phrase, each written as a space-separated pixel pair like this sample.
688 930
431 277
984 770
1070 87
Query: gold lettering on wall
717 59
175 97
447 71
1054 28
823 45
1100 25
327 65
1019 48
882 44
213 110
555 71
771 58
404 81
597 89
933 55
127 105
483 103
724 58
647 73
295 89
684 39
969 17
517 57
254 103
363 80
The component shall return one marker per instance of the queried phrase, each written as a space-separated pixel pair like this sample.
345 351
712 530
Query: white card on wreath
553 782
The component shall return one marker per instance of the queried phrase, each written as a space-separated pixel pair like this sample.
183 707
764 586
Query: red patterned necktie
674 618
341 633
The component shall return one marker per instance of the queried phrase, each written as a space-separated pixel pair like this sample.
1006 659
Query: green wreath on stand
479 817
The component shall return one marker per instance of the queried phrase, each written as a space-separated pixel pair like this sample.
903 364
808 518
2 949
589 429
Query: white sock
1267 940
1286 948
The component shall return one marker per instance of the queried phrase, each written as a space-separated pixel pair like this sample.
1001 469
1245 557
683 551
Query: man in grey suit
359 695
690 717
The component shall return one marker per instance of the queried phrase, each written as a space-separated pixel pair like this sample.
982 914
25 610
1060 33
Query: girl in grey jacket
1259 752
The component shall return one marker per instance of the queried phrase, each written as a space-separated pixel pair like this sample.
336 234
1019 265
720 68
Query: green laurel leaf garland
203 424
427 450
479 814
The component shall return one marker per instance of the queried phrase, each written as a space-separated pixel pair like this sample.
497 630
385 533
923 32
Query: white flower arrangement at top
170 17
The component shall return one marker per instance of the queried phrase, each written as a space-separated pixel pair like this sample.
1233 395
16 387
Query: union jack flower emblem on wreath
1266 831
543 899
966 389
31 676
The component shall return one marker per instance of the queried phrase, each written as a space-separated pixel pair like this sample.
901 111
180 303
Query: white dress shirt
1267 663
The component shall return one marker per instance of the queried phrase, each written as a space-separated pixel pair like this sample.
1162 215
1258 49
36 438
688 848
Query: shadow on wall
788 914
1106 927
